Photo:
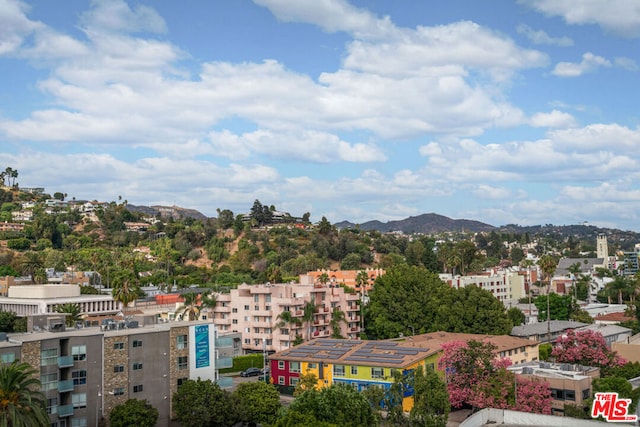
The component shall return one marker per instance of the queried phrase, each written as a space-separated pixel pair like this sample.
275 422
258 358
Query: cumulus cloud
117 16
620 17
590 62
15 26
554 119
541 37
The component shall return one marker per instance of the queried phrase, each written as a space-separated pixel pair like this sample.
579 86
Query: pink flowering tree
586 348
476 377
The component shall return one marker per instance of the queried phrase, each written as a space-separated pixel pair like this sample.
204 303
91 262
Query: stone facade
116 378
175 373
31 355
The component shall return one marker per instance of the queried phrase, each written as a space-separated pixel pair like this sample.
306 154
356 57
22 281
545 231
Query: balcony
65 411
65 386
224 362
65 361
220 309
222 342
222 321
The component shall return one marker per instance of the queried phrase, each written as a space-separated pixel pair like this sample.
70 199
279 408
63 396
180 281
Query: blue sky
504 112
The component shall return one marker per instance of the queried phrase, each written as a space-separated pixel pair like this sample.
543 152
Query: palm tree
616 288
308 311
20 404
189 307
31 264
287 319
124 291
73 312
337 317
323 278
575 269
548 264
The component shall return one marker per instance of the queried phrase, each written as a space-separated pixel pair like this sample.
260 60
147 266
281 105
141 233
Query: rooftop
540 328
370 353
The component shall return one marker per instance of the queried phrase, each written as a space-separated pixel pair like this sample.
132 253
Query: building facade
256 312
85 373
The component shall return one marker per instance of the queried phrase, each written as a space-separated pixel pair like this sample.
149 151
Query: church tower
602 250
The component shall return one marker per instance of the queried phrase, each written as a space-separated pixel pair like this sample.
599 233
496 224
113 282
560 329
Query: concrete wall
44 291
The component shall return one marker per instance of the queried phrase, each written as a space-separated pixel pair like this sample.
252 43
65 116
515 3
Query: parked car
265 370
251 372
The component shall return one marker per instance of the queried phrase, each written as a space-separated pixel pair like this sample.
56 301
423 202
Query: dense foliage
407 300
133 412
21 402
587 348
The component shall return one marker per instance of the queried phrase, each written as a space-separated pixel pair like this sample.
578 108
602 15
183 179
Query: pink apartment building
254 310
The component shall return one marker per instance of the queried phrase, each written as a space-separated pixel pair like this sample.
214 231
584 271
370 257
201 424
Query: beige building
570 384
254 311
504 284
629 349
84 373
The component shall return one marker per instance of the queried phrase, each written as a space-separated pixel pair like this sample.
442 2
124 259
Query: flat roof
355 352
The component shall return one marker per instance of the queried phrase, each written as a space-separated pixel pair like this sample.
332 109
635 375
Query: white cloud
330 15
14 25
620 17
483 191
554 119
590 62
117 16
626 63
599 137
541 37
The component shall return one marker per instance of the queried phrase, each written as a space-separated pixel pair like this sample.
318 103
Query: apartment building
347 278
361 364
504 284
570 384
255 310
86 372
540 331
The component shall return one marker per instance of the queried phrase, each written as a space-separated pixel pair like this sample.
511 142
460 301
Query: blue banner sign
202 346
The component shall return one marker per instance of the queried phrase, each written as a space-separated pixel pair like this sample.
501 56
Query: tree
73 313
338 404
431 400
308 311
548 264
225 219
585 347
31 264
201 403
258 402
133 412
337 318
516 316
20 404
7 321
287 319
308 381
619 385
476 377
560 306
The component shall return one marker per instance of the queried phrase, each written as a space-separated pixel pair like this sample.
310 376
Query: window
557 394
585 394
79 352
234 321
269 341
8 357
294 367
49 356
79 400
52 405
78 422
377 372
137 343
118 368
256 307
354 370
138 388
118 391
49 381
181 342
293 381
281 380
246 308
312 366
181 381
570 394
79 377
267 298
183 362
256 298
280 364
137 366
234 310
118 345
338 370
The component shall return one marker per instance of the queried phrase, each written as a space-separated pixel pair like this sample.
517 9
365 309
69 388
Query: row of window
559 394
49 356
338 370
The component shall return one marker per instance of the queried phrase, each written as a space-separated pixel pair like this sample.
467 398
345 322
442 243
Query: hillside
425 223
